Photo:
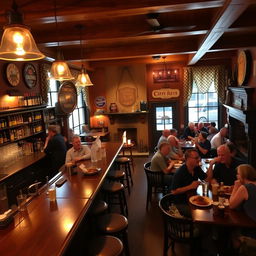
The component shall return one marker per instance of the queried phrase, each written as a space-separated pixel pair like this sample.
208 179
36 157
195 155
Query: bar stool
124 163
115 195
116 225
128 147
99 207
106 246
116 175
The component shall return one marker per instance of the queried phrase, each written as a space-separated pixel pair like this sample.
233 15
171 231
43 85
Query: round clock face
67 97
242 68
30 76
13 74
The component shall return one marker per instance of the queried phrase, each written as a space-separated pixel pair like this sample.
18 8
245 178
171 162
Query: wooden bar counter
46 228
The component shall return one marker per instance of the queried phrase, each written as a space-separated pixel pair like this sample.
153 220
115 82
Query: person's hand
215 160
237 184
194 184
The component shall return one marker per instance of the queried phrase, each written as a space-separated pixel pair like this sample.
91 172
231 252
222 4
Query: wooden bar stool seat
106 246
115 195
115 224
99 207
123 163
116 175
129 147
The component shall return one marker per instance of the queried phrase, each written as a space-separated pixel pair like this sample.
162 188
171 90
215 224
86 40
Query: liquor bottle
1 138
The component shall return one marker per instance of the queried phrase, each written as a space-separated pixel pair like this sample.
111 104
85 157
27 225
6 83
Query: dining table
47 227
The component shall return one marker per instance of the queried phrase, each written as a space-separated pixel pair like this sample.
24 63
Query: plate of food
200 201
177 165
89 170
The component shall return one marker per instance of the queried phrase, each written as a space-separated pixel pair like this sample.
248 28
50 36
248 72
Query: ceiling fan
156 27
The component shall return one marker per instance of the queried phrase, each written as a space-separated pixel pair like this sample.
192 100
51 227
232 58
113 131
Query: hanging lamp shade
60 71
17 42
83 79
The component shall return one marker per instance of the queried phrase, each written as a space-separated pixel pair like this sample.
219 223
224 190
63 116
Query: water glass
52 194
205 188
215 189
21 201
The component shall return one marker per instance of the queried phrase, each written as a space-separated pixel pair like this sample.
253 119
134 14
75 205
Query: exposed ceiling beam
231 10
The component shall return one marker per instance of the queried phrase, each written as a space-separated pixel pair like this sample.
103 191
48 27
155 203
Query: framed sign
100 101
67 97
165 75
12 74
243 67
30 76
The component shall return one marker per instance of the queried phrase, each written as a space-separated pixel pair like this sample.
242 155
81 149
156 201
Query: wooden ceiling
118 30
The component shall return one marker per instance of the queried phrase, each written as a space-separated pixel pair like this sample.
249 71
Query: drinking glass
21 201
205 188
52 193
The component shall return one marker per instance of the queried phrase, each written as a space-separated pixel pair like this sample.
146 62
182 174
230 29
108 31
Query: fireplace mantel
114 115
241 106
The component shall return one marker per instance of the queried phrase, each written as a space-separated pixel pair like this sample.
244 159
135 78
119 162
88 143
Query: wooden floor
146 227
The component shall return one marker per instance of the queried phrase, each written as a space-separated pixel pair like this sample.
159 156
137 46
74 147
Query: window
203 106
164 118
53 92
78 119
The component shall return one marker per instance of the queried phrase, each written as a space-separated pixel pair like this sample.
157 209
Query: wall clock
243 67
67 97
30 76
12 74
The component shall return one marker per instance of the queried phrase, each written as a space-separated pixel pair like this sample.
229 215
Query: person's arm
210 170
239 194
169 168
184 189
68 156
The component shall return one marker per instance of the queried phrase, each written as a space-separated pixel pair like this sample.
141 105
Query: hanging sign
100 101
166 93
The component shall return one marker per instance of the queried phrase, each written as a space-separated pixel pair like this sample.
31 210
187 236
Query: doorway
163 115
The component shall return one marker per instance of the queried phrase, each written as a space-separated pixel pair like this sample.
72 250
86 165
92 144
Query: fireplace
241 112
131 133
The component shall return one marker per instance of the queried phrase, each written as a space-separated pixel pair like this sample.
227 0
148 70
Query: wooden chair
176 229
155 182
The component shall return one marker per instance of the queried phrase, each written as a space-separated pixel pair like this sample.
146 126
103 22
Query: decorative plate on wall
30 77
12 74
67 97
243 67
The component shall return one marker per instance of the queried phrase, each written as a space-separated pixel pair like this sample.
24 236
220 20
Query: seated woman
244 195
203 145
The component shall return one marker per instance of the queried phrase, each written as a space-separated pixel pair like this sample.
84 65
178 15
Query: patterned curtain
203 76
187 85
83 90
45 83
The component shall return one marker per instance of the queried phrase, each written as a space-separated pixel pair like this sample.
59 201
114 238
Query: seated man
189 131
203 145
175 148
224 167
163 138
186 177
160 163
201 128
219 138
212 131
78 152
174 132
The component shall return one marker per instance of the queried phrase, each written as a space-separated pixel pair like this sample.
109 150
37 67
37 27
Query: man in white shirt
78 152
219 138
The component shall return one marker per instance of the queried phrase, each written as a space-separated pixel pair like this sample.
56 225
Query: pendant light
59 69
83 79
17 42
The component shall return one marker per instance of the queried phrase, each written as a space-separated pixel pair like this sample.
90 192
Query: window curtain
203 76
45 83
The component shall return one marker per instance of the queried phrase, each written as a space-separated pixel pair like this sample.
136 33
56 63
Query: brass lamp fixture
59 69
83 79
17 42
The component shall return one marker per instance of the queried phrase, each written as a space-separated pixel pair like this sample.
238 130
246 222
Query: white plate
91 171
207 201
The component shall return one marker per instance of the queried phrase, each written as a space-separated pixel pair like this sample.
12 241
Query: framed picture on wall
166 75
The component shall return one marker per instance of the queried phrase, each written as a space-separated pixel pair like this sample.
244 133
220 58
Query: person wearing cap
203 145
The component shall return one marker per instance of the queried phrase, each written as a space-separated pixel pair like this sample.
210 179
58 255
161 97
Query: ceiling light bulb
60 69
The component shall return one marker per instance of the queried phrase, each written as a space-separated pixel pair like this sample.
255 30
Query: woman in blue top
244 196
